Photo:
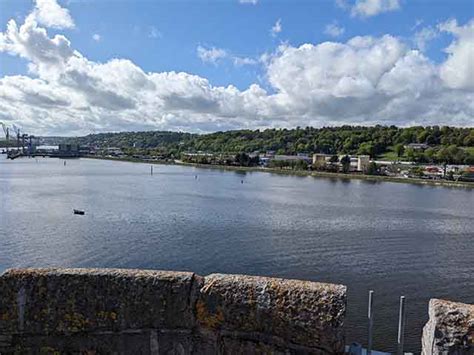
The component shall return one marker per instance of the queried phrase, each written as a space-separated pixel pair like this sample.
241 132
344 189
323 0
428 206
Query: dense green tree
373 141
372 169
366 148
345 163
399 149
410 153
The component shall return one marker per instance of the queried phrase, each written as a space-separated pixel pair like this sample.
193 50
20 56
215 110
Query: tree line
446 144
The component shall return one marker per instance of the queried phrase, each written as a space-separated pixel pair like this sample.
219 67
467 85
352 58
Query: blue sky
211 39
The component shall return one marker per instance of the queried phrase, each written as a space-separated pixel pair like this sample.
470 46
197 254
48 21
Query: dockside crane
19 137
22 140
17 133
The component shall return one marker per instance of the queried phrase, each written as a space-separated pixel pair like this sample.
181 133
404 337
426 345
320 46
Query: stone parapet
450 329
165 312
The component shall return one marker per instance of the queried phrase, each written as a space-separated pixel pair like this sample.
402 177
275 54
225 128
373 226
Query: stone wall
450 329
102 311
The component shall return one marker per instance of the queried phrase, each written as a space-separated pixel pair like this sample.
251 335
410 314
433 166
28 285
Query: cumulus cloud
458 70
31 42
277 28
334 30
253 2
368 8
366 80
96 37
211 55
50 14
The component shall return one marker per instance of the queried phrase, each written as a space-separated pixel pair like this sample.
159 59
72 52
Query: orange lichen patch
207 319
76 322
5 316
104 315
26 272
49 350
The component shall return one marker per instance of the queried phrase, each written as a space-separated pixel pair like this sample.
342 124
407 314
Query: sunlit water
396 239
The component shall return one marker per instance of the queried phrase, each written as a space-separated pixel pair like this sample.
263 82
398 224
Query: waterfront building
305 158
68 148
363 162
320 158
114 151
417 146
433 172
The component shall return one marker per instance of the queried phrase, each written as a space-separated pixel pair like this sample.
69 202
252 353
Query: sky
73 67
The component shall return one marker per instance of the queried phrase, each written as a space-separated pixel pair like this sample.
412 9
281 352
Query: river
397 239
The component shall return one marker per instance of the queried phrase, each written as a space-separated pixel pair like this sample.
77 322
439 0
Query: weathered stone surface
103 311
450 329
299 312
51 301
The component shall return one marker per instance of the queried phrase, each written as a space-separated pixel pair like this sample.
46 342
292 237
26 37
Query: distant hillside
374 141
148 139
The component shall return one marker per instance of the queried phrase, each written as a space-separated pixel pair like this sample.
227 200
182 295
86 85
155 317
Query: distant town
427 160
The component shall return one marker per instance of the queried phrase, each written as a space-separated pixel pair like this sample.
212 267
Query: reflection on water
397 239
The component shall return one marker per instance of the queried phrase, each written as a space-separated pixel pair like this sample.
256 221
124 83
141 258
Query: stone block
450 329
301 313
64 301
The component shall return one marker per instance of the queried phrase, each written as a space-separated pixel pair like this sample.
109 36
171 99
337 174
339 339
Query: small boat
81 212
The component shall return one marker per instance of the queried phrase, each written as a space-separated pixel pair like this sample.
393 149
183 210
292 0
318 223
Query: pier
14 154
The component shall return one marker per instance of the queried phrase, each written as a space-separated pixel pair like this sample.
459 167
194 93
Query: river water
396 239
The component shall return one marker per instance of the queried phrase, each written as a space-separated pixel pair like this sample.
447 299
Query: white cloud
240 61
417 24
253 2
366 80
154 33
334 30
424 36
211 55
96 37
214 55
368 8
31 42
50 14
458 70
277 28
343 4
334 69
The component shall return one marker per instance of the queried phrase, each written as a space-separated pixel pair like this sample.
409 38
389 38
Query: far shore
375 178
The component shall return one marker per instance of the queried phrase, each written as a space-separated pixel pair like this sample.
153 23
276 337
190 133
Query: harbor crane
22 141
24 138
17 133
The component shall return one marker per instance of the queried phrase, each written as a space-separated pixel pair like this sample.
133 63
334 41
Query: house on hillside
417 146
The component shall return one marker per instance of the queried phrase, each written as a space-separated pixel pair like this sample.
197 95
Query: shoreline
317 174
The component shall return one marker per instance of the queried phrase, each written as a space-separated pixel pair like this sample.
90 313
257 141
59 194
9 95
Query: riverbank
374 178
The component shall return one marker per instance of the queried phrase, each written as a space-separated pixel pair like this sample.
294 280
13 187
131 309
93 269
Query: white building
363 162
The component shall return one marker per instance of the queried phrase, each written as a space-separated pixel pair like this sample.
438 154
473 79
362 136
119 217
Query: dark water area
396 239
